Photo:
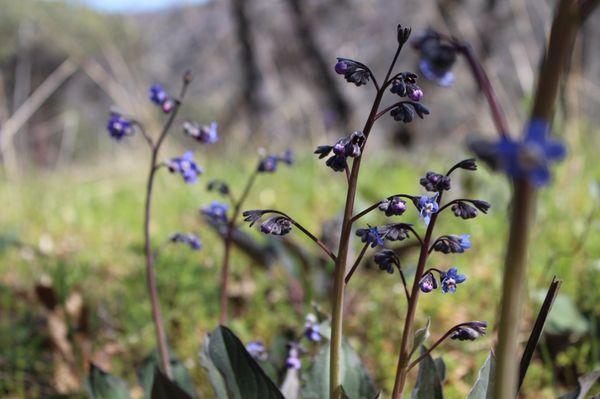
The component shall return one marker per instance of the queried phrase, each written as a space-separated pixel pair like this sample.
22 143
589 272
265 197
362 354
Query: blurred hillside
263 69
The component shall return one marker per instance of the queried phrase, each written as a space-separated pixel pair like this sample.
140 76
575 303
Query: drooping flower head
470 331
186 166
346 147
437 58
370 236
190 239
450 279
406 86
276 225
453 243
530 158
354 72
118 126
269 163
427 207
428 283
311 328
386 259
203 134
435 182
392 207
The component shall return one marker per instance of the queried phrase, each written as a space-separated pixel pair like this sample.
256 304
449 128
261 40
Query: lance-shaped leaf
484 386
356 381
429 383
233 373
586 382
146 373
163 388
102 385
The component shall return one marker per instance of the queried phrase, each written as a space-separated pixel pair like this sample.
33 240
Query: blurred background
72 285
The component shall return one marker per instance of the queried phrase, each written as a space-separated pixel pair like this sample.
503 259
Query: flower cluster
469 331
437 57
353 71
346 147
160 97
392 206
269 163
452 243
118 126
386 259
203 134
375 235
311 328
405 85
464 210
405 111
186 166
215 213
435 182
190 239
528 159
448 280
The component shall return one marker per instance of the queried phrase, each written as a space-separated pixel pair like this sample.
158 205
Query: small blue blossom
427 207
158 95
450 279
529 158
428 283
118 126
371 236
269 163
216 212
192 240
465 241
186 166
311 328
203 134
257 350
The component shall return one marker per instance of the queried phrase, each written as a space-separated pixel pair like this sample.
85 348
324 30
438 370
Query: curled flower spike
276 225
215 213
528 159
192 240
428 283
386 259
346 147
427 207
269 163
450 279
405 85
293 359
469 331
203 134
257 350
252 216
406 110
186 166
394 231
311 328
453 244
466 211
437 58
370 236
392 207
118 126
435 182
354 72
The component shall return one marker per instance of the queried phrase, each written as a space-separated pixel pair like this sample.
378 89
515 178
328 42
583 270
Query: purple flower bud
470 331
215 213
435 182
463 210
393 207
416 95
428 283
276 225
341 67
119 127
167 106
204 134
158 95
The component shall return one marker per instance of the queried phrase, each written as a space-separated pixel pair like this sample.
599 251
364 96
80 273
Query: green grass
82 228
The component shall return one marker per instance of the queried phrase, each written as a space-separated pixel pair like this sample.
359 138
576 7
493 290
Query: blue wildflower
465 241
311 328
216 212
257 350
371 236
158 95
203 134
192 240
529 158
427 207
118 126
450 279
428 283
269 163
186 166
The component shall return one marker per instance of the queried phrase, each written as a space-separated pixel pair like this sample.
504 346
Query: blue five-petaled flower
528 159
186 166
118 126
427 207
450 279
465 241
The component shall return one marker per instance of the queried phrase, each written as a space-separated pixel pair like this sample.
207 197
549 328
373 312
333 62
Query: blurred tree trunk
251 82
322 70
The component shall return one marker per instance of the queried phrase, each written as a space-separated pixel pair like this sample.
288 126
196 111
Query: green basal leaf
163 388
355 379
484 386
102 385
181 376
234 374
429 383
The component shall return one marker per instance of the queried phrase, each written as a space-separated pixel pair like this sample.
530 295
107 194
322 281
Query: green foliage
163 388
102 385
233 372
429 380
356 381
146 374
484 386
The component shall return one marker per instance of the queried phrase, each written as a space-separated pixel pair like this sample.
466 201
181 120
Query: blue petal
188 156
540 176
452 272
537 130
460 278
555 150
426 219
